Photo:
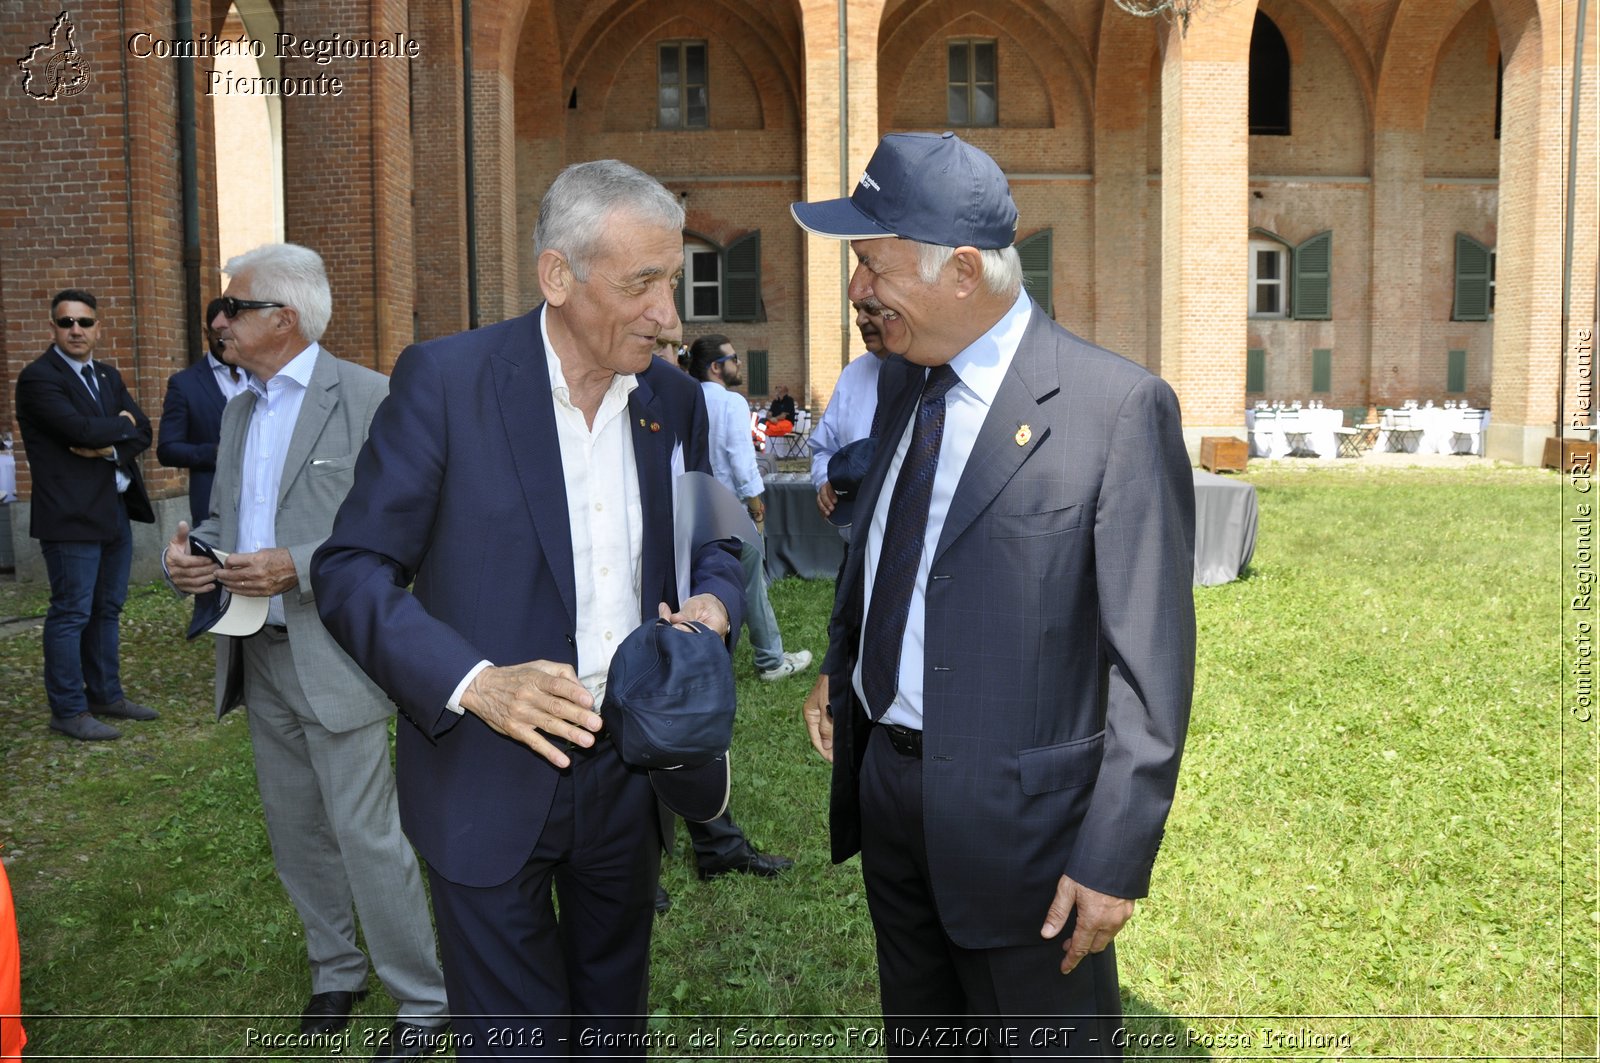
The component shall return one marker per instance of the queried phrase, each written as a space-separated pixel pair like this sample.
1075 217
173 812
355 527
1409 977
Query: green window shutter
1472 280
1312 299
756 363
741 279
1321 370
1255 370
1455 373
1037 277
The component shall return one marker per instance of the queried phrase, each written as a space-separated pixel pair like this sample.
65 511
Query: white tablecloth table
1278 433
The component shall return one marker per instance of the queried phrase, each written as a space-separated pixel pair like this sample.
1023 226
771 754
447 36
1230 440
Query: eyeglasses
81 322
232 308
726 358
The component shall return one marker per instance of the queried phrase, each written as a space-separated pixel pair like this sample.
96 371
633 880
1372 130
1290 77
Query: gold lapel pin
1024 433
655 426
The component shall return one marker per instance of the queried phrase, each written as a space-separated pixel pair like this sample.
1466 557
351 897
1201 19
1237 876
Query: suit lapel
76 385
225 490
653 463
997 454
315 409
527 413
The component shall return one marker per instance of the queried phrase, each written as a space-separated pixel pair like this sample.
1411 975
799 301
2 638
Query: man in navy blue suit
191 416
1011 655
82 434
519 480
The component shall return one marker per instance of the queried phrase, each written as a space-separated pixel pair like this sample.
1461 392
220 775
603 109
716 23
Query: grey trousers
334 825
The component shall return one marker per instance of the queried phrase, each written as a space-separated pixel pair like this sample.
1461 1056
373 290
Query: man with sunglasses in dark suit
191 415
82 433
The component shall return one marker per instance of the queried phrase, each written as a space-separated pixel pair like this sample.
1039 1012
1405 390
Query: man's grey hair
1002 267
572 215
291 275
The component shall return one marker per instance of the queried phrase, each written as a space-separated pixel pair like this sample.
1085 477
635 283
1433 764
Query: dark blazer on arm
191 424
459 494
75 498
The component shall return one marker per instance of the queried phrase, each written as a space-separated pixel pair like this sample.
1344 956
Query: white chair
796 444
1403 435
1468 431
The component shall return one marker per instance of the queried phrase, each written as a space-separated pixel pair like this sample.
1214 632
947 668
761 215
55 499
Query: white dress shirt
606 519
224 374
124 481
849 413
733 455
266 444
981 367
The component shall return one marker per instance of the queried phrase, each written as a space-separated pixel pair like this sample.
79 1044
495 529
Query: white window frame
1281 280
693 280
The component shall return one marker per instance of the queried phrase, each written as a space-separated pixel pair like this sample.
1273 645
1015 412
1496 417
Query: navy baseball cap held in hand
846 471
669 706
931 187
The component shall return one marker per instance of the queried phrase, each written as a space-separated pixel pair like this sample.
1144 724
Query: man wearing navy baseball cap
1011 655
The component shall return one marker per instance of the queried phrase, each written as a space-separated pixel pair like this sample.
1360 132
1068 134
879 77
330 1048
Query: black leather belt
906 742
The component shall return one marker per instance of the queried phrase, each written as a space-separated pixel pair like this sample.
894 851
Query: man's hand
704 609
190 573
129 416
522 700
826 500
818 722
260 574
94 452
756 507
1100 916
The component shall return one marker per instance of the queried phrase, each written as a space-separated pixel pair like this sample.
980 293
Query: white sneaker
798 661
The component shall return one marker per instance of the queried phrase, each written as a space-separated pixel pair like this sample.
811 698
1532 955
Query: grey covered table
801 543
1225 516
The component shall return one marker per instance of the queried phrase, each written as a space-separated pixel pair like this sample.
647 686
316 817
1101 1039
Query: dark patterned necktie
901 550
94 387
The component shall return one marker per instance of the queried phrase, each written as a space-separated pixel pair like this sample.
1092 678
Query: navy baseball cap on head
931 187
846 470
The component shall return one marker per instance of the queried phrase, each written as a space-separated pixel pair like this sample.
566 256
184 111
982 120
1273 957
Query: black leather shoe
84 728
407 1040
126 710
329 1012
747 861
663 901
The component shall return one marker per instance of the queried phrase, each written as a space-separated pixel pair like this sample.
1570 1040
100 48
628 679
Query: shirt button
605 572
598 506
608 636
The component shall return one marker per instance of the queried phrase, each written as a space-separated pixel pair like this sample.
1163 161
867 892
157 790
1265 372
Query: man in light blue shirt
851 408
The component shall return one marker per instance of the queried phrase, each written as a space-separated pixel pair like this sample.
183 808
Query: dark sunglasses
81 322
726 358
232 308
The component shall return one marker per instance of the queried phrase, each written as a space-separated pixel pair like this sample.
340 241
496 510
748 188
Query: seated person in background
781 412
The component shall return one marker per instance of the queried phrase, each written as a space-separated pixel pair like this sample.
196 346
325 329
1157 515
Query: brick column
830 337
438 151
347 195
1205 219
1528 342
94 201
1122 270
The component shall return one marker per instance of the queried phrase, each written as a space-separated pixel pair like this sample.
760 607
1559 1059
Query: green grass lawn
1365 858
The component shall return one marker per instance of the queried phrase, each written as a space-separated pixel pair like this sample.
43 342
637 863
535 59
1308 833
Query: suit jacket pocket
1021 521
1061 767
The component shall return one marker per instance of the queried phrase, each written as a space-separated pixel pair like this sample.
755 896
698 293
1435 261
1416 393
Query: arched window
1269 80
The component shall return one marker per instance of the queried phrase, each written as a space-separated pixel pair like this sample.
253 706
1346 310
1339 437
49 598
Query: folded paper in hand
219 610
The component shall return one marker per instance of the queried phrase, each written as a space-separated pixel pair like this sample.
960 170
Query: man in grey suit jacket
1011 654
318 725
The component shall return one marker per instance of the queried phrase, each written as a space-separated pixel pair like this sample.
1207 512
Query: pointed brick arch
1055 52
766 67
775 71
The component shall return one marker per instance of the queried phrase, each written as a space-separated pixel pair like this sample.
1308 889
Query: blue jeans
88 584
766 643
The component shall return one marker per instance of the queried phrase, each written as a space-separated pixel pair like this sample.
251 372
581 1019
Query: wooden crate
1565 454
1223 454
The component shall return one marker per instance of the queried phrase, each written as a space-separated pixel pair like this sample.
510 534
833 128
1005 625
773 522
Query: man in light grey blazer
318 725
1011 654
